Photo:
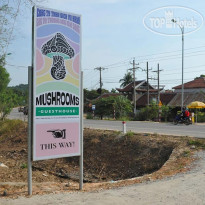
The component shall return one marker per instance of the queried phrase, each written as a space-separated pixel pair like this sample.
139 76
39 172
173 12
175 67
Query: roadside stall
196 105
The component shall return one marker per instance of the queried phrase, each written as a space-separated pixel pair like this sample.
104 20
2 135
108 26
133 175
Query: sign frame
56 120
32 107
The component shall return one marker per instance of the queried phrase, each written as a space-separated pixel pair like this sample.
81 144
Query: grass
23 166
11 127
186 153
129 134
198 143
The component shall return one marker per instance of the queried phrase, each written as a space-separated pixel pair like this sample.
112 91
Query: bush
89 116
147 113
129 134
200 117
11 127
198 143
23 166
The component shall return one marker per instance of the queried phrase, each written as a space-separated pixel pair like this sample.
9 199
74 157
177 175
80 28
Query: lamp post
182 30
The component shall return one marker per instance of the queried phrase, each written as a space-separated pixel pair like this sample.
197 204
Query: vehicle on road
182 120
20 109
25 110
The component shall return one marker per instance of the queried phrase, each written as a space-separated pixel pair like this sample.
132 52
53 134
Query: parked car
25 110
20 109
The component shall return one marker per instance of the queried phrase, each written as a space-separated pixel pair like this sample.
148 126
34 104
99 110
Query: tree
22 94
104 107
90 94
8 99
120 105
4 76
201 76
148 112
9 11
127 79
165 112
6 16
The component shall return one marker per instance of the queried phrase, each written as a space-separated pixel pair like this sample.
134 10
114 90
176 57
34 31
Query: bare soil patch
108 156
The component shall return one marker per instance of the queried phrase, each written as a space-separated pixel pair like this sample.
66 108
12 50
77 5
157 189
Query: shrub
89 116
11 127
129 134
23 166
200 117
147 113
198 143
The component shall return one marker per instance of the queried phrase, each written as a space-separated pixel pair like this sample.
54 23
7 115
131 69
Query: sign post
30 131
81 137
57 86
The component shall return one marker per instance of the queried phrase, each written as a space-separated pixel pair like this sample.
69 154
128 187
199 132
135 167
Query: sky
114 32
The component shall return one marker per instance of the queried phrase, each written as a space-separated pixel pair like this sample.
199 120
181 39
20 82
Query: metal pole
30 131
81 135
100 69
182 104
134 88
158 93
182 30
147 85
100 81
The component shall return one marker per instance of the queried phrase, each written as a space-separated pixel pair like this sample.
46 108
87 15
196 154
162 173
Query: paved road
15 114
195 130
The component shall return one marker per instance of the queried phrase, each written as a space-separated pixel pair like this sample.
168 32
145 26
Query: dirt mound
108 156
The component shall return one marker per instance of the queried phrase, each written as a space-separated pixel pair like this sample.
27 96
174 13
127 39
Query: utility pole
134 92
100 69
158 90
148 83
147 70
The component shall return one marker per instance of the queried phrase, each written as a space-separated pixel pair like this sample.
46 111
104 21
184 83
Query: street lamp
182 30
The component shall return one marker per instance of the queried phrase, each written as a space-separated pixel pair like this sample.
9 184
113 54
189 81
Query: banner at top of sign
46 13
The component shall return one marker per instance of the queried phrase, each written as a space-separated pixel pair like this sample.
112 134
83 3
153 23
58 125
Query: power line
170 51
161 59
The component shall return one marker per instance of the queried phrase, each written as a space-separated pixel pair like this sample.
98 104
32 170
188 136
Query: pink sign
57 139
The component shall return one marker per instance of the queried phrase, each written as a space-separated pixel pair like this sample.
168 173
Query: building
193 91
141 89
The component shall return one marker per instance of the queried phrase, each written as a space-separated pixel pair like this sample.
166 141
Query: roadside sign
56 84
93 107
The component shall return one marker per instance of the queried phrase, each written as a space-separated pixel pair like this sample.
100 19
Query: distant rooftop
196 83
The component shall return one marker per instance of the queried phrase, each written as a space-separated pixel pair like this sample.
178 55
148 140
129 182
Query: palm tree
127 79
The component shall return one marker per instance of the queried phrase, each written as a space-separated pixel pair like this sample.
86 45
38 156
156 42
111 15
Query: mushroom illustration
58 49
